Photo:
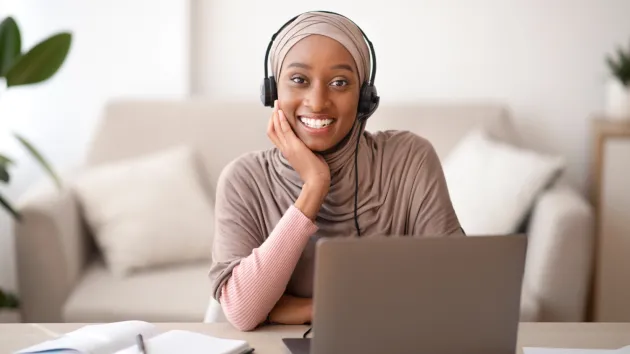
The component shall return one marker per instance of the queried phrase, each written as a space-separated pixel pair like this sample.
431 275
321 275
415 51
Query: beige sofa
62 276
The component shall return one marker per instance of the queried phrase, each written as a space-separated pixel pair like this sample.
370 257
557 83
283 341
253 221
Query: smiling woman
326 176
319 89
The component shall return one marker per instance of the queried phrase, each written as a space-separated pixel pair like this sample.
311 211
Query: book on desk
121 338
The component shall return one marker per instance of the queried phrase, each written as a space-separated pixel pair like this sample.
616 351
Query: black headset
368 98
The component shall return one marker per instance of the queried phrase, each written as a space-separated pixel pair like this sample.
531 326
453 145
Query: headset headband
372 53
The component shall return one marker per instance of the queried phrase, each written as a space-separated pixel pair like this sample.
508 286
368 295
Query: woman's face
318 91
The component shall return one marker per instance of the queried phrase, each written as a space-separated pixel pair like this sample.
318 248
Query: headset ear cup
264 92
268 92
368 101
362 99
273 90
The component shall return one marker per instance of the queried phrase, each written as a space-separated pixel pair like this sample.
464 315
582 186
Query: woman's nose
317 98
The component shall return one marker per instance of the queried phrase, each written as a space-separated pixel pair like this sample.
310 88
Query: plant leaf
612 65
39 157
4 171
10 44
624 67
8 300
5 160
5 203
4 174
41 62
623 57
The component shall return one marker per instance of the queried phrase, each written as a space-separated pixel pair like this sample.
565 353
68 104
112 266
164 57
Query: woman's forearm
292 310
259 281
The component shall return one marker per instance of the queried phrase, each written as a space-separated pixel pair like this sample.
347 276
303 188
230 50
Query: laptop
438 295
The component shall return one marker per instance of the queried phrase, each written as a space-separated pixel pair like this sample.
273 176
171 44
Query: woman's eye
297 80
340 83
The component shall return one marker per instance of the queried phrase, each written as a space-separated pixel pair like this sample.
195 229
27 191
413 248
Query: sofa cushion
148 211
493 184
173 294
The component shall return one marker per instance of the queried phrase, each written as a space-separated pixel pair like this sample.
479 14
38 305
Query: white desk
267 340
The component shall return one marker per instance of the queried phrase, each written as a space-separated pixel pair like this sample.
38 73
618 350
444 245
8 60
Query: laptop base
297 345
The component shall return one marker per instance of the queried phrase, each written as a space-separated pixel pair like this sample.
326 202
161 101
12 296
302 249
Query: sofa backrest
224 130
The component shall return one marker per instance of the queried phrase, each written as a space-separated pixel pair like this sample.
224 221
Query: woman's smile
316 124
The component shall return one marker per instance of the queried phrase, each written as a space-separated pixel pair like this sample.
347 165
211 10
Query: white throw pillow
148 211
493 185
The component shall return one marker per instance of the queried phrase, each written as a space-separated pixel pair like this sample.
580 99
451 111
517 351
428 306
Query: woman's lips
316 124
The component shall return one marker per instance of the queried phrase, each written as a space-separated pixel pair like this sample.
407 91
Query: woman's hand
312 168
292 310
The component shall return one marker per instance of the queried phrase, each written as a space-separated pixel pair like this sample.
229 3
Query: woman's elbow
242 321
246 327
240 315
243 312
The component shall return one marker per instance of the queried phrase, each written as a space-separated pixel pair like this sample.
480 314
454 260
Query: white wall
130 48
543 58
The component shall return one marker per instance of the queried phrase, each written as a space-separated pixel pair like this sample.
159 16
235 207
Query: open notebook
120 338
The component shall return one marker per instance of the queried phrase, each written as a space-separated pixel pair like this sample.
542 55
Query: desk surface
267 340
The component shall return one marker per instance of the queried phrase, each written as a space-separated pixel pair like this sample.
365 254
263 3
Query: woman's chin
315 143
319 143
318 146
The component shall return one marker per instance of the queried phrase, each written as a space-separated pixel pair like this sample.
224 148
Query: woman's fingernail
282 117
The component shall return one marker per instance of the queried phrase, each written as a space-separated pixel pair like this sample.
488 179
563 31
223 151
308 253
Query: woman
273 206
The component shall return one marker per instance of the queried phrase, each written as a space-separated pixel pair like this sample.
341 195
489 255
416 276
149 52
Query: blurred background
543 59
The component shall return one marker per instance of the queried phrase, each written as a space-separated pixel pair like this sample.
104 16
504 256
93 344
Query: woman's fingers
270 125
279 132
271 130
284 124
286 131
273 137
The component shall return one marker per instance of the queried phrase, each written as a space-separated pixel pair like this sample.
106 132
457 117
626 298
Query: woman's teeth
316 123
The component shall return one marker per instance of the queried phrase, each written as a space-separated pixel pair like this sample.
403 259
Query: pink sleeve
260 279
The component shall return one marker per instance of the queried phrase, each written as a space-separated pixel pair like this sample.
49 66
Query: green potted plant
20 67
618 90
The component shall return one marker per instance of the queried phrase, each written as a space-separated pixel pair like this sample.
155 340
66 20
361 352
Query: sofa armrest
51 251
560 255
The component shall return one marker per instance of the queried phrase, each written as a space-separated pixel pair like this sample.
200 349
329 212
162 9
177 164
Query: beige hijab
401 187
334 26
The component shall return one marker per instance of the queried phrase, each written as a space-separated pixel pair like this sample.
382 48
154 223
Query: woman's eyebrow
334 67
298 65
343 67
